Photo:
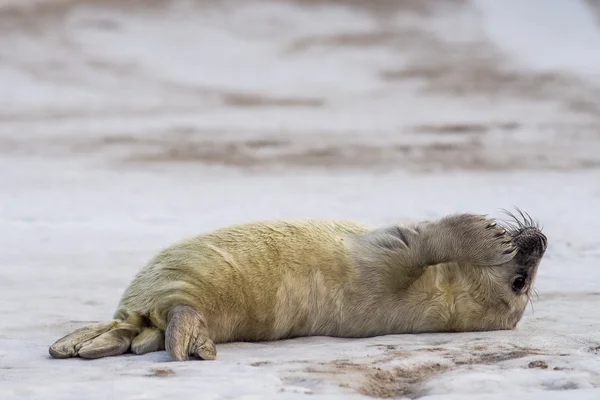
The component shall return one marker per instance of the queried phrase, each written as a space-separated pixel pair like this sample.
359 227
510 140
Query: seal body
260 281
281 279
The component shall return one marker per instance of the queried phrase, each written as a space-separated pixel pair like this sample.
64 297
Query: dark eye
519 283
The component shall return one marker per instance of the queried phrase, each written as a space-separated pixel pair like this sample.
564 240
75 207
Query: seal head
520 273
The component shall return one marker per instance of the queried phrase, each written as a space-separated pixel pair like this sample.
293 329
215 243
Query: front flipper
466 238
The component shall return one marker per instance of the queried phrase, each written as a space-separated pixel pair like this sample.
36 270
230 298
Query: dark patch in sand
488 77
432 349
259 363
538 364
161 372
383 346
373 377
399 382
318 151
255 100
465 128
380 382
383 9
495 357
559 385
346 39
35 17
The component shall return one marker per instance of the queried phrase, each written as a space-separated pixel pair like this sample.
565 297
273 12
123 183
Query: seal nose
531 240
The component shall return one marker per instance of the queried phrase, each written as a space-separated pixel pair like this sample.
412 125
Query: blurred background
127 124
319 85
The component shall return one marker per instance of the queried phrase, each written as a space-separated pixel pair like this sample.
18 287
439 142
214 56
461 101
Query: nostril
540 242
544 240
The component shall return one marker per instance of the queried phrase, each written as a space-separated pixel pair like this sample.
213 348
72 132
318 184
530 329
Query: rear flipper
96 341
149 340
187 335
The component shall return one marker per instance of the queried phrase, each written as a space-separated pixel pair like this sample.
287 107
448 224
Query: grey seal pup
272 280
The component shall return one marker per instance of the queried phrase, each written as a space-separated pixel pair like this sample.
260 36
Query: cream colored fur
281 279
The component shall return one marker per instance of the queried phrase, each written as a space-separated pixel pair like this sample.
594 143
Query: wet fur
281 279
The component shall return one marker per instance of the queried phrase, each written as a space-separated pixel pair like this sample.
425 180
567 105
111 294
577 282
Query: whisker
514 218
522 216
528 217
506 223
531 222
517 221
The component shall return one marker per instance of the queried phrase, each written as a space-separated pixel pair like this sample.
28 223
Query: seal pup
271 280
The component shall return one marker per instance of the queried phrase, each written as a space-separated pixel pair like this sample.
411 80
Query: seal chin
531 240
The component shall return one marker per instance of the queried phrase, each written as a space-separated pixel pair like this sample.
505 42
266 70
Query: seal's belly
300 306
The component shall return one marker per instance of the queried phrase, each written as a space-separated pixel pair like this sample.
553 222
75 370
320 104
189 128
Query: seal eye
519 283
